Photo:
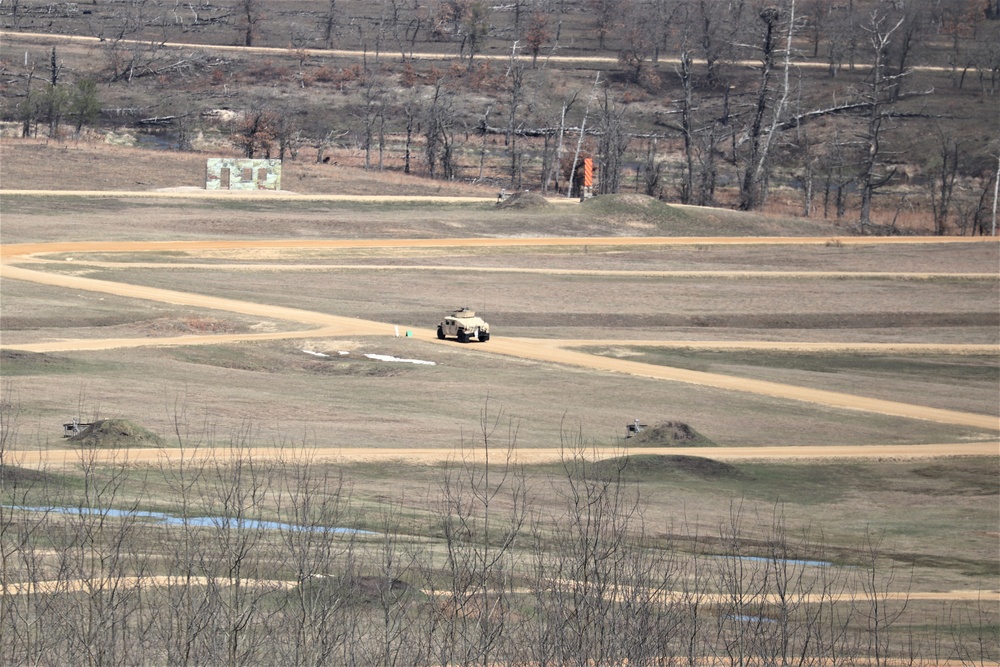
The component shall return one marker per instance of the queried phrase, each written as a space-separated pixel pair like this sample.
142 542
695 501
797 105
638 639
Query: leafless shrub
258 567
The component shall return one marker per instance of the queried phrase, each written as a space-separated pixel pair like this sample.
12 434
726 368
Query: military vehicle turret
465 325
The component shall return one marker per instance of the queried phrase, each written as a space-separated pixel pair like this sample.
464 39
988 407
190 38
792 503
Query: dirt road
549 351
345 53
57 586
72 457
26 249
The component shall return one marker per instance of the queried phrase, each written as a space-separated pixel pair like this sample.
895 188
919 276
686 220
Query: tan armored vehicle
464 325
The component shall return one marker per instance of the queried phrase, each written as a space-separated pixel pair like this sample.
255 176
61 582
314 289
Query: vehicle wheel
483 337
440 333
462 337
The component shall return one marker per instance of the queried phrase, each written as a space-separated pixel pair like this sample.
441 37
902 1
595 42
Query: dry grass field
909 322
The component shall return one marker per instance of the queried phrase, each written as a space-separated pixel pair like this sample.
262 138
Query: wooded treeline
233 560
714 102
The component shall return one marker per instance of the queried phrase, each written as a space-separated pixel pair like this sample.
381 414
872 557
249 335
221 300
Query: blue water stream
223 522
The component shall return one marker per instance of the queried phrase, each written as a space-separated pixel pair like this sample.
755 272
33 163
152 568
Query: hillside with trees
881 114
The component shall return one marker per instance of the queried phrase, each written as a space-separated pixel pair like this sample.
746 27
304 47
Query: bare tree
182 634
817 13
652 171
837 167
703 126
475 28
15 17
393 627
254 131
374 98
55 97
639 40
84 105
251 15
127 47
744 582
879 607
234 490
759 137
439 134
684 72
978 213
28 107
579 142
410 111
943 189
552 155
484 507
99 555
717 23
984 55
598 525
537 34
329 23
878 94
606 17
515 86
482 148
976 633
314 503
613 141
502 496
805 174
468 21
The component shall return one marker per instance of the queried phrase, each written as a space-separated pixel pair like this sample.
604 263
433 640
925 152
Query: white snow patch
225 115
316 354
342 352
388 357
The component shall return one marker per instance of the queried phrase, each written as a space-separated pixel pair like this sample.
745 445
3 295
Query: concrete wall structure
225 173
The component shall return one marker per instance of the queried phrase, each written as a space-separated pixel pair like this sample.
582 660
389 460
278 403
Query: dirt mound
113 433
626 201
633 199
524 200
701 467
633 208
657 467
670 433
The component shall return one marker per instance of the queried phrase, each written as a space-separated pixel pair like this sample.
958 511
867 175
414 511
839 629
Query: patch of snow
225 115
342 352
316 354
388 357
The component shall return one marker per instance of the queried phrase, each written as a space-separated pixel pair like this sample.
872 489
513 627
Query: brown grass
293 397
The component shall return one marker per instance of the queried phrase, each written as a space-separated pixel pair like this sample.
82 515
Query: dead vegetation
692 103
